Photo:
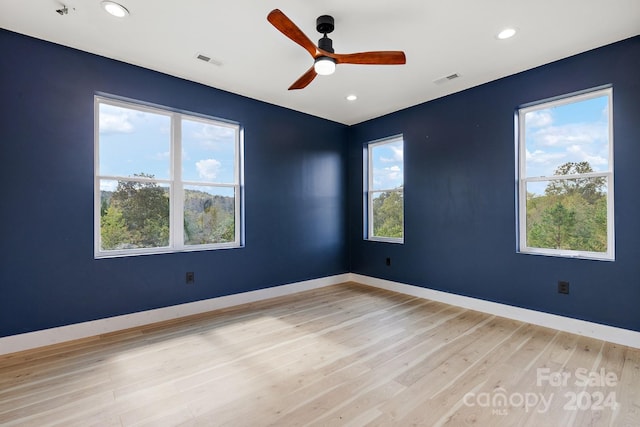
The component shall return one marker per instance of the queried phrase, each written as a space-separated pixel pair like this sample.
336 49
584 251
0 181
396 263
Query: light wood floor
346 355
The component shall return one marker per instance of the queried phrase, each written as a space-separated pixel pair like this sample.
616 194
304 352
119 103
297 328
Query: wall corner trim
566 324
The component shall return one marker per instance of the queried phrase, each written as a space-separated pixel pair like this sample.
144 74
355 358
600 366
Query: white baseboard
30 340
581 327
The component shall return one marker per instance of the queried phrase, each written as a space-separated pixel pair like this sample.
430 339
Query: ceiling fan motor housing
326 44
325 24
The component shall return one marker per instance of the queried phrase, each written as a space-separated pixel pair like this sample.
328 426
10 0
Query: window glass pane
209 215
575 133
569 214
388 214
133 215
133 142
387 165
208 152
148 155
562 138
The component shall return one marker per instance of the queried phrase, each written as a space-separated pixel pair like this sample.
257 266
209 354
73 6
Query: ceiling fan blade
291 30
304 80
372 58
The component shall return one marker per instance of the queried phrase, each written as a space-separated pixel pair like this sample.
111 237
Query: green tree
144 210
208 219
556 228
388 214
113 230
572 214
588 188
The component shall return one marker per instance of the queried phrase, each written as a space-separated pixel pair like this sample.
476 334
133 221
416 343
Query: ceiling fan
325 60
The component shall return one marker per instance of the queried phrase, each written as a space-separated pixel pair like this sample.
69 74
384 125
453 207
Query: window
164 181
384 189
565 180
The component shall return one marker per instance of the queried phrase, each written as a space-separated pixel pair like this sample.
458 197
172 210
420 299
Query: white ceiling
439 38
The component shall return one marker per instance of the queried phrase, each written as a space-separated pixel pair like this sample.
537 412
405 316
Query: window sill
592 256
385 240
121 254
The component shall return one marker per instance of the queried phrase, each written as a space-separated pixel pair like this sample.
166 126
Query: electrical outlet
563 287
190 278
388 261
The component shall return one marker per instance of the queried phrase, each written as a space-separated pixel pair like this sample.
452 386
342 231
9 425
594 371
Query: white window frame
369 235
174 182
522 179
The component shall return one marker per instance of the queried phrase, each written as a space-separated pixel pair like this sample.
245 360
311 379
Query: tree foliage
113 228
572 214
136 215
589 188
388 214
208 219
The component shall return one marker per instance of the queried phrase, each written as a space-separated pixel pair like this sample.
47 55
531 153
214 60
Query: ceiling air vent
208 59
446 79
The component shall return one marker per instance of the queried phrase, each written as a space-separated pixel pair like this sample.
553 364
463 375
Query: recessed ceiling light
352 97
115 9
506 33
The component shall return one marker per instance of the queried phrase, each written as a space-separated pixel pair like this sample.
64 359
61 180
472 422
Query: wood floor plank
628 390
453 372
345 355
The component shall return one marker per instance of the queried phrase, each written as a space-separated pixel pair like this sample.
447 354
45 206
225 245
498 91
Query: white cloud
539 118
397 157
115 123
579 154
208 168
393 173
570 134
542 163
212 136
215 132
541 157
387 178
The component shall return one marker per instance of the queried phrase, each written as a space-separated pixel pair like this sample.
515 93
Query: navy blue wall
460 221
303 194
295 192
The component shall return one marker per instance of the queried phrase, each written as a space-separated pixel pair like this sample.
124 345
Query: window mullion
370 193
177 208
567 177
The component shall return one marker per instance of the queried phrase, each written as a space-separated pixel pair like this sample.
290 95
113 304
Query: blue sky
134 142
388 169
573 132
567 133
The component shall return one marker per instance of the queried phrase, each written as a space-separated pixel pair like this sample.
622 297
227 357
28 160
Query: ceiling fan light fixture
325 65
325 59
115 9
